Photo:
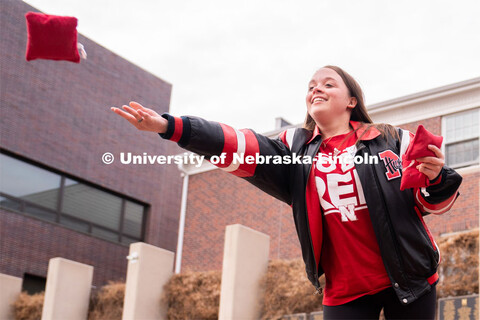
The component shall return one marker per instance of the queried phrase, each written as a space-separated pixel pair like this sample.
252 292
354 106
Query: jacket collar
372 133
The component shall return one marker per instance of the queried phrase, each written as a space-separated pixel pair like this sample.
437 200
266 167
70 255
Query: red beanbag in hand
418 148
51 37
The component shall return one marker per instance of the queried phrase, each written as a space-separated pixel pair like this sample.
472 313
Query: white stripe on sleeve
405 142
240 151
289 137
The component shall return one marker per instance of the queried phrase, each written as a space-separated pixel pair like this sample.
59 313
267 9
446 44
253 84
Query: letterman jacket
408 250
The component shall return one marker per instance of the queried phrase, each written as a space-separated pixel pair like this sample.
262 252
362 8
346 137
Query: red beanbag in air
51 37
418 148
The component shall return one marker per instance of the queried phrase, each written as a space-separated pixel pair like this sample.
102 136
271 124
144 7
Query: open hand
431 166
142 118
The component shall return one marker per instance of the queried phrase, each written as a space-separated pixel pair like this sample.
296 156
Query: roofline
415 97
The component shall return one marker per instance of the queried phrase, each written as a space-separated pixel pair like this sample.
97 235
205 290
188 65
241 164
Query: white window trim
444 135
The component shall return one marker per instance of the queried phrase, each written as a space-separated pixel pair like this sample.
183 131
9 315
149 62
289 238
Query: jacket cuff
178 129
435 181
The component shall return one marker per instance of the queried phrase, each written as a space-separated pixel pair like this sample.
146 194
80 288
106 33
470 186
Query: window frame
59 214
444 145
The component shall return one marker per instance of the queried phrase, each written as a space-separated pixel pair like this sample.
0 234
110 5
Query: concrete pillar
149 269
10 288
245 262
67 293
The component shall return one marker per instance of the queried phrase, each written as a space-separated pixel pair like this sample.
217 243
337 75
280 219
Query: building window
462 135
35 191
33 284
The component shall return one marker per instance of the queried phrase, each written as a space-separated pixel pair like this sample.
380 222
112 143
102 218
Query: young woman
353 222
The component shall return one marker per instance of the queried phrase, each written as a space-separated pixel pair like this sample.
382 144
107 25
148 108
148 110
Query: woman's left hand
431 166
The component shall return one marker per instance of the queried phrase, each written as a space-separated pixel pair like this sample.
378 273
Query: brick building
216 199
57 197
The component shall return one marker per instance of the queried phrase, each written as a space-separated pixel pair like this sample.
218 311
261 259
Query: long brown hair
359 113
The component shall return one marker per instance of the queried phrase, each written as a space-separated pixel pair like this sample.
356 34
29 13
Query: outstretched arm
210 139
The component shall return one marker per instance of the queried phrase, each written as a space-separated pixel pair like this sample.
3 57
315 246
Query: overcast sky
245 63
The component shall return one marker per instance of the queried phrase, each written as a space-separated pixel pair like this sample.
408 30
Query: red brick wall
434 125
58 114
464 214
217 199
28 244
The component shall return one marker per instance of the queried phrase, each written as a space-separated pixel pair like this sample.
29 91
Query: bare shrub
287 290
458 269
193 295
28 307
107 303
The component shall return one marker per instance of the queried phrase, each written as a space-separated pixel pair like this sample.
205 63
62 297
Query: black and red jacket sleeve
210 138
440 194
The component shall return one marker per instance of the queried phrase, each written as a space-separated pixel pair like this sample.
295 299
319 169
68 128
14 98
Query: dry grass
193 295
287 290
28 307
107 303
459 267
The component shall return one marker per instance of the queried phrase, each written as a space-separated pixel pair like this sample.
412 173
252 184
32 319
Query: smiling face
328 98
